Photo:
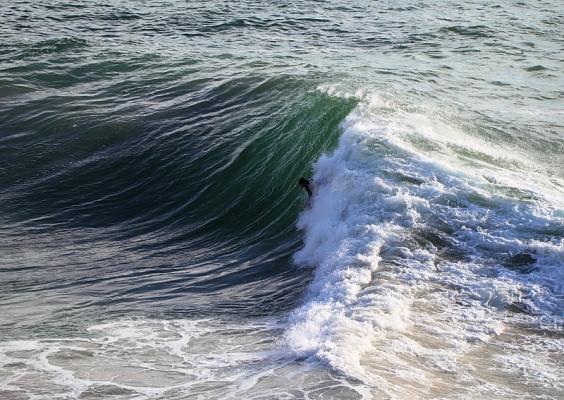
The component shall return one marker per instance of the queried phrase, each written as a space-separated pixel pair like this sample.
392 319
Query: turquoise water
155 244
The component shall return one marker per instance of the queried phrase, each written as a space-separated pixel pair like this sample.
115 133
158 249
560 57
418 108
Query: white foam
375 285
423 132
155 359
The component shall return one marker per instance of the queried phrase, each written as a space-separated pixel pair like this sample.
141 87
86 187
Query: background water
154 241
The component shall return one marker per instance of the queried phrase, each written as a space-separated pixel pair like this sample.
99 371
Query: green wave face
207 186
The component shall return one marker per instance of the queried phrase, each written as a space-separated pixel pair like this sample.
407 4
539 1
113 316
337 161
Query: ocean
154 243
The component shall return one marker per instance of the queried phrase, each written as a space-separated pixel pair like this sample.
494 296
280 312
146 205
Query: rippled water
155 244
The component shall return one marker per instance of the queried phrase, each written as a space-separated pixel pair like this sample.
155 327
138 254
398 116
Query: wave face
155 244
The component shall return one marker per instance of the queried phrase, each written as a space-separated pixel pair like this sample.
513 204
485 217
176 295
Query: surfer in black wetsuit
306 185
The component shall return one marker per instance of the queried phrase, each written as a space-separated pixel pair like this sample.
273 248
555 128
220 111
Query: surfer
306 185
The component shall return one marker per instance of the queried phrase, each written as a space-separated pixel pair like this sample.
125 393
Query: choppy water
154 243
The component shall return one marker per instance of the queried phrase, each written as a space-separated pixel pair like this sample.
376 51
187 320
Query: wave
428 251
147 205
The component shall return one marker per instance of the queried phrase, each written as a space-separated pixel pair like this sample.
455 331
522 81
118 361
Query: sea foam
408 245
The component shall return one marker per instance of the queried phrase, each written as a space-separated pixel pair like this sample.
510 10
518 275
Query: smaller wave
536 68
473 31
52 46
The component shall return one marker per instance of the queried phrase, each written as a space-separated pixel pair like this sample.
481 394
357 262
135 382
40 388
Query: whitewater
422 262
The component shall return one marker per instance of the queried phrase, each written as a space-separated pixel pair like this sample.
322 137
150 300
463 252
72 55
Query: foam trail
145 359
